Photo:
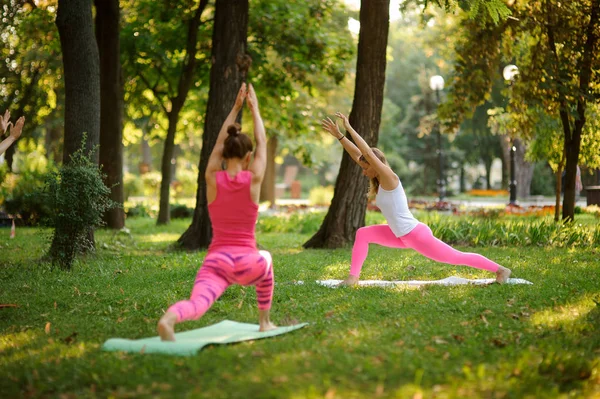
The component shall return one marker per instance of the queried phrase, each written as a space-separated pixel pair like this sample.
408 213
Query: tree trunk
226 75
524 170
183 87
164 216
267 190
557 193
146 164
111 106
81 76
505 147
82 82
347 211
52 142
488 173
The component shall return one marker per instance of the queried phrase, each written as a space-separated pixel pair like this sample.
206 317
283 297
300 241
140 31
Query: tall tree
177 102
555 45
82 84
347 211
229 68
111 105
82 76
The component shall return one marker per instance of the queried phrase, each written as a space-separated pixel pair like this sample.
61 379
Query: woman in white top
402 230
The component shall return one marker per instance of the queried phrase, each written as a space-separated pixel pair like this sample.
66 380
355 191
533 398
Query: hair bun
234 130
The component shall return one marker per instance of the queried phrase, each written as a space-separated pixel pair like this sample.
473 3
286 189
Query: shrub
151 183
187 180
181 211
23 196
141 211
78 199
132 186
321 195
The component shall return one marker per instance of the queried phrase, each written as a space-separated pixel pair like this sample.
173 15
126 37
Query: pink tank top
233 214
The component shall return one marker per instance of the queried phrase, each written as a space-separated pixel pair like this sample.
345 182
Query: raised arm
387 177
331 127
214 162
15 132
259 164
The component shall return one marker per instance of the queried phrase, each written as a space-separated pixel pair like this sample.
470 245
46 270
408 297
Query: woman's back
233 214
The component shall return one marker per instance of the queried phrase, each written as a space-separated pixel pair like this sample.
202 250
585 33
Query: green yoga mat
191 342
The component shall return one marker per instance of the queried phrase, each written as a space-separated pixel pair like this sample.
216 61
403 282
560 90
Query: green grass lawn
539 341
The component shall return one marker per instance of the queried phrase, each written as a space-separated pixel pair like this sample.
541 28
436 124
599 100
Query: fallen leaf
439 340
459 338
399 343
446 356
329 314
330 394
499 343
47 328
484 320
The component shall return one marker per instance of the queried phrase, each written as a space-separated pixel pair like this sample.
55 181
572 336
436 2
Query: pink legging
222 268
420 239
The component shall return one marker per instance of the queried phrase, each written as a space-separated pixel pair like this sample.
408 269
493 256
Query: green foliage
78 199
186 183
543 181
23 195
140 211
181 211
132 186
298 223
321 195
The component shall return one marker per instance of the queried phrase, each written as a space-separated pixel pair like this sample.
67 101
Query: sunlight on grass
564 315
16 340
54 351
159 238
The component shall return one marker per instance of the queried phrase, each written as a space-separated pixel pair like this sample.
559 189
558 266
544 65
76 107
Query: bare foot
166 327
267 327
502 275
350 281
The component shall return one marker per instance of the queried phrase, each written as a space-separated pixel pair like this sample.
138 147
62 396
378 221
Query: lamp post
436 83
509 73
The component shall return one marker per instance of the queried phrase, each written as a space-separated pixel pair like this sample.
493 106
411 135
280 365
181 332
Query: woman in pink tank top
402 230
232 196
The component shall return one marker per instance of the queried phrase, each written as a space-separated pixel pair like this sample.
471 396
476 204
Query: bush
132 186
187 183
543 181
23 195
151 184
300 223
78 199
140 211
181 211
321 195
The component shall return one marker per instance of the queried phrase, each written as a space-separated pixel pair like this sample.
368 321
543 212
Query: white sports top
394 206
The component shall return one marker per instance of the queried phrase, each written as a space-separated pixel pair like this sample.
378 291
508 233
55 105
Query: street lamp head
510 71
436 83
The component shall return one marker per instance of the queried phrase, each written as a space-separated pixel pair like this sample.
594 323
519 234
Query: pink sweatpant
221 269
420 239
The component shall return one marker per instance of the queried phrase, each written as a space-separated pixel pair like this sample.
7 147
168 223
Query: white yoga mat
446 281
